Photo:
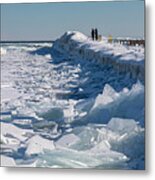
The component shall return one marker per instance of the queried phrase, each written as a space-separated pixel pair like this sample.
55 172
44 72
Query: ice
122 126
67 140
7 161
100 148
76 104
125 104
10 131
121 58
54 114
2 51
108 96
129 139
65 158
13 139
37 144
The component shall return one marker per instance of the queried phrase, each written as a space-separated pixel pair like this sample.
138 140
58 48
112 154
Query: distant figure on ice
96 34
92 34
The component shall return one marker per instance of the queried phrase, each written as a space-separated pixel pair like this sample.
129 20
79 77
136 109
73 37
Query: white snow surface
59 110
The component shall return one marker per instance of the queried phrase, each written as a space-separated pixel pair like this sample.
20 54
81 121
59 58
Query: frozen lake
62 111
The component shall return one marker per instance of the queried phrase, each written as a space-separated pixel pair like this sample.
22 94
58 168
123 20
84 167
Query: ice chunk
67 158
67 140
37 144
101 147
7 161
122 126
129 139
108 96
53 114
44 124
10 131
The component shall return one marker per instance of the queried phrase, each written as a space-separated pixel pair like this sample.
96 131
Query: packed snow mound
122 58
74 35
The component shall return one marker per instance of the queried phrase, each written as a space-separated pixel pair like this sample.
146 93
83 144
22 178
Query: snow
2 51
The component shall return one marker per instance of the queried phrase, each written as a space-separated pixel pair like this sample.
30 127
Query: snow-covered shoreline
122 58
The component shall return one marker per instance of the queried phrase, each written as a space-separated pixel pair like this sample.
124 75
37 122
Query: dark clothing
92 34
96 34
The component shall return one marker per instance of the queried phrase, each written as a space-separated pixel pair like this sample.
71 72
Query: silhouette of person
92 34
96 34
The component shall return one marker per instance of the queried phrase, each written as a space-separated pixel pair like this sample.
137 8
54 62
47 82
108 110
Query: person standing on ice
96 34
92 34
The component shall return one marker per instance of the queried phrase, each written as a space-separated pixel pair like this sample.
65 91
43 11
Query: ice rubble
36 119
121 58
128 104
125 104
109 146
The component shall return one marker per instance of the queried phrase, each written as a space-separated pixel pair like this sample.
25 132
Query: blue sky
48 21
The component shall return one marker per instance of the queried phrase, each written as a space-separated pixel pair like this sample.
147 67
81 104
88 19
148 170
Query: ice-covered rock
121 58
